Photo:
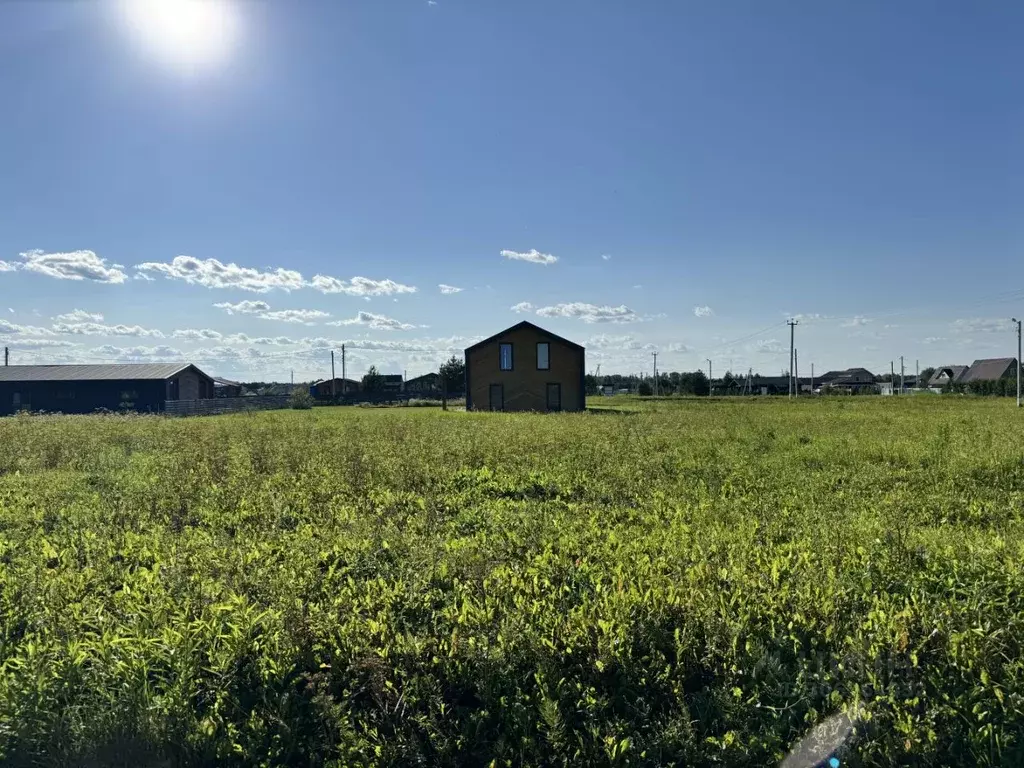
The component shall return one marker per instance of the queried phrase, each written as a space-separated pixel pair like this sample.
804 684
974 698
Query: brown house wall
525 388
192 386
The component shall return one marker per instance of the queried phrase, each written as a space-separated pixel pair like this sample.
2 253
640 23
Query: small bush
301 401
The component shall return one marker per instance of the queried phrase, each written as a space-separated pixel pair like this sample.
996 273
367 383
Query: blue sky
635 176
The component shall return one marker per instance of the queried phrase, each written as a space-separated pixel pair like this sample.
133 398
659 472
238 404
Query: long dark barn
86 388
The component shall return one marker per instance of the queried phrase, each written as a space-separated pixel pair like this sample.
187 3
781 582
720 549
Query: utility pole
1018 360
796 371
293 379
892 377
902 377
334 381
7 357
655 373
917 373
792 326
709 375
344 383
812 378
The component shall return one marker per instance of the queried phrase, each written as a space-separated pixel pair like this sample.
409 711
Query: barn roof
525 324
108 372
954 373
989 370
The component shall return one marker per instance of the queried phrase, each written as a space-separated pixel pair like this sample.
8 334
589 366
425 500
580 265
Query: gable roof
955 372
431 376
518 326
116 372
849 376
990 369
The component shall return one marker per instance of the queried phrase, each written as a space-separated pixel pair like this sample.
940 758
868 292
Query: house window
543 356
506 357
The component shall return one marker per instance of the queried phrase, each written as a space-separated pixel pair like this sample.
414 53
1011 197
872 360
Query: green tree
373 381
694 383
925 375
645 389
453 376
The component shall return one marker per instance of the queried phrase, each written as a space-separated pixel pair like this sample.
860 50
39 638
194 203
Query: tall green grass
684 583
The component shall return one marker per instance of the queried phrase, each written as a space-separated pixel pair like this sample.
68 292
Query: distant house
226 387
392 382
427 384
852 379
525 368
989 370
946 374
87 388
323 388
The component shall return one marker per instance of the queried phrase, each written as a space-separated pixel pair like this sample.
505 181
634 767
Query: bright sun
186 34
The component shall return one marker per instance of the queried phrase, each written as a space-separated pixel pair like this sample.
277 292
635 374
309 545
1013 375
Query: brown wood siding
188 385
191 386
525 388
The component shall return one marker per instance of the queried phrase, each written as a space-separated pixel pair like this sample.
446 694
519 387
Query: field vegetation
685 582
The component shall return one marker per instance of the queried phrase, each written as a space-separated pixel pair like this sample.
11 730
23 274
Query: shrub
301 400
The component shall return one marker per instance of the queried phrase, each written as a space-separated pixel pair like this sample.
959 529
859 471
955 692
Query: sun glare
185 34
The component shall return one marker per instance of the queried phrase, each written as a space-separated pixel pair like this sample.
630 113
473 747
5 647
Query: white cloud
359 286
73 265
448 289
262 310
11 310
857 321
304 316
522 306
637 287
37 343
619 343
981 325
934 340
277 341
24 330
678 346
212 273
79 316
197 334
143 276
807 317
769 347
377 322
591 313
99 329
7 266
109 351
606 256
245 307
704 311
533 256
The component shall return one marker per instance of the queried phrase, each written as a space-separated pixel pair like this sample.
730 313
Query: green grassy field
686 582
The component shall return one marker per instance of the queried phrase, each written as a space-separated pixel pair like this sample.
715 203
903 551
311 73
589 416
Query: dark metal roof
990 370
424 377
954 373
217 380
524 324
847 377
119 372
